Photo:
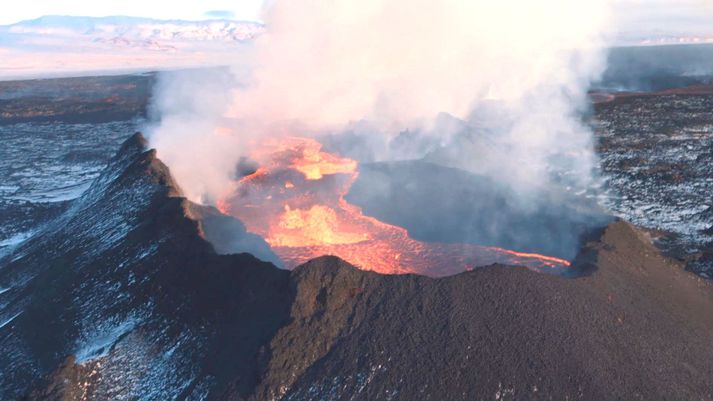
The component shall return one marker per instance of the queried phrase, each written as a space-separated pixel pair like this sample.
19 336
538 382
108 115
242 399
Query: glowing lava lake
295 200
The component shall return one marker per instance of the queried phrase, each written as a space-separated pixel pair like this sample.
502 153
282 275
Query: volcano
124 297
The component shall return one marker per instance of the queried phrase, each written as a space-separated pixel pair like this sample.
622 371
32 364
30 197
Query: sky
159 9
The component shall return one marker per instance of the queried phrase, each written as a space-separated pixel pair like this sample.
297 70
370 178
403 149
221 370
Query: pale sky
159 9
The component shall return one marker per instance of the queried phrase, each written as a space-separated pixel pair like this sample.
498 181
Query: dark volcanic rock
122 298
75 100
124 282
656 150
638 327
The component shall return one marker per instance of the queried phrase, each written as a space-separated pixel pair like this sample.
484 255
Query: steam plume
517 69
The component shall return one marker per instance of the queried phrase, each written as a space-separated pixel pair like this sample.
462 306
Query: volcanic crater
297 199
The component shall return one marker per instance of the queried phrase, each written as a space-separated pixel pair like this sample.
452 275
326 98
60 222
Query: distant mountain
122 31
662 22
663 39
64 45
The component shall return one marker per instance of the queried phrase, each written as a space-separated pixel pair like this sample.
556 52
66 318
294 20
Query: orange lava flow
295 200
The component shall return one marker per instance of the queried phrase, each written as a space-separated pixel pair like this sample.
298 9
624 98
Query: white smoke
327 65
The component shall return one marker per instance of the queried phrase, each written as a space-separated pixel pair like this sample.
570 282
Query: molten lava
295 200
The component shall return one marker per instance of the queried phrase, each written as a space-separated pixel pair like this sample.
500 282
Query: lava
295 200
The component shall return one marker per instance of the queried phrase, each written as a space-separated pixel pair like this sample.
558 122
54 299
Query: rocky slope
124 283
123 298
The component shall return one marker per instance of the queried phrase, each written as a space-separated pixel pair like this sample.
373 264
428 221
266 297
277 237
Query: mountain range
61 45
121 30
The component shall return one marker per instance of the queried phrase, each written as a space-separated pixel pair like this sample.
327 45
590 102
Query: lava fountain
295 200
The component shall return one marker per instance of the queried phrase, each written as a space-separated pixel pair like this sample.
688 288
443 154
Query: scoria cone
124 299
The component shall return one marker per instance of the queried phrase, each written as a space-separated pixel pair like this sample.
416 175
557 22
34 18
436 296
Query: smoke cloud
495 88
325 67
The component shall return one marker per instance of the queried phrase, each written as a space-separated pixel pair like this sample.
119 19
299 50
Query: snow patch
8 321
101 342
16 239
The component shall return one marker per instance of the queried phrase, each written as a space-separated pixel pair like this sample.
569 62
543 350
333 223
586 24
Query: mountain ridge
70 46
137 28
